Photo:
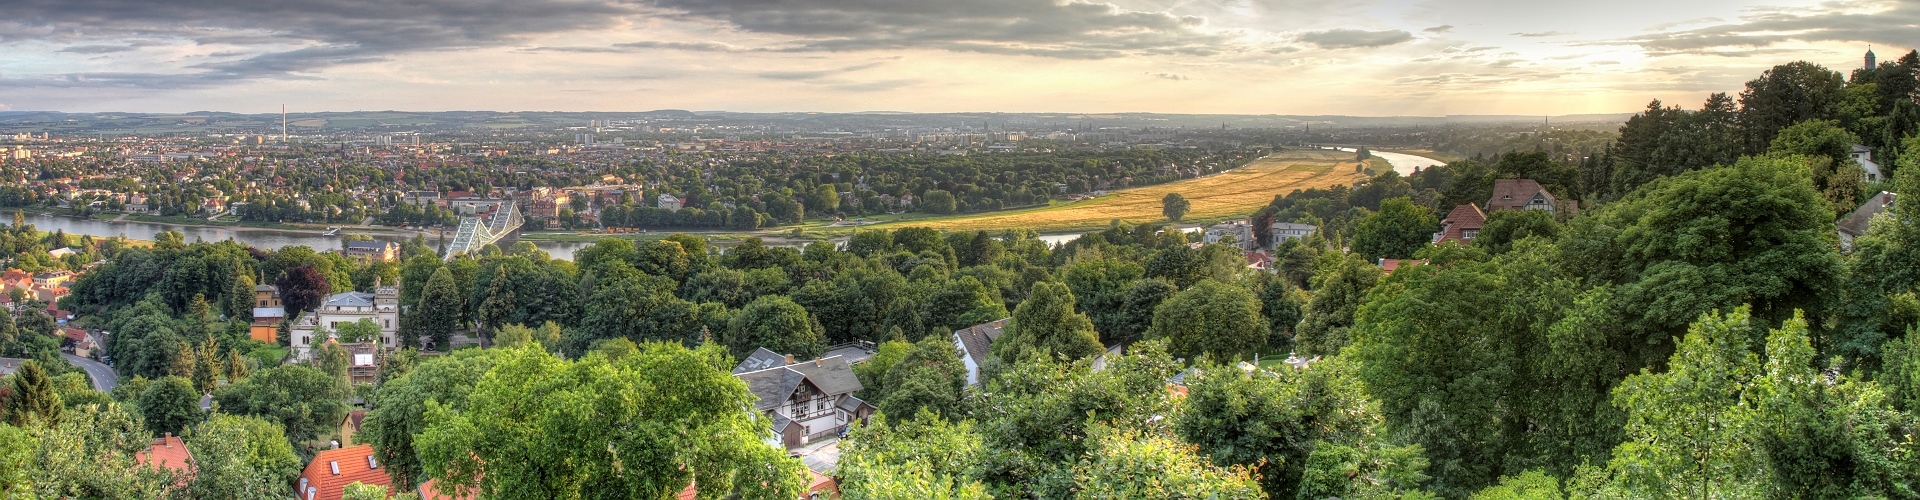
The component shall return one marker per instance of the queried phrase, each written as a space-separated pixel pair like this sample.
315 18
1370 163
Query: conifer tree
33 396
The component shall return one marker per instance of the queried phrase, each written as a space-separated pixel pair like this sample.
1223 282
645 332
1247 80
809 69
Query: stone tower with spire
1870 62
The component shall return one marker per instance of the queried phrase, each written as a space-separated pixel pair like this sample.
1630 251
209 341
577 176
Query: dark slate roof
979 338
832 375
351 299
851 404
780 423
761 359
265 288
853 353
772 386
1855 224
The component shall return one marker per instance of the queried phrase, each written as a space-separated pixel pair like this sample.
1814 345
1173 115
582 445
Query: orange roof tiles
320 481
167 452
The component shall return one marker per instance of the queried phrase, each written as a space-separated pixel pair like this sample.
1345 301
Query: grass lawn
1234 193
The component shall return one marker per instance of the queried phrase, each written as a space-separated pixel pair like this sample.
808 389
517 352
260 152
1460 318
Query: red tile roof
325 484
1513 194
1389 265
1461 224
826 486
430 490
168 452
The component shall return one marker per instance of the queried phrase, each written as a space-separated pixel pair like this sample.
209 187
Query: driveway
821 456
103 377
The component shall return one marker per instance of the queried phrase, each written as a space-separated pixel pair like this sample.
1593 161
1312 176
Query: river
266 239
273 239
1403 163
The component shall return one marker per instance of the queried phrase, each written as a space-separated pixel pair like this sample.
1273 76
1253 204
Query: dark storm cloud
329 32
1073 29
1351 38
1895 25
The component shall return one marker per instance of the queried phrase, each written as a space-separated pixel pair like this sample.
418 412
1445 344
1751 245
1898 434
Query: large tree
1723 422
1213 319
1046 326
1273 421
439 311
170 405
776 323
1788 94
537 426
303 288
1340 285
1175 207
1396 231
309 402
399 407
929 378
33 400
241 458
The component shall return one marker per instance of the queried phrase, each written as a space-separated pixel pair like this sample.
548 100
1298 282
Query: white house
382 306
974 343
1238 231
1283 231
1864 156
669 202
807 400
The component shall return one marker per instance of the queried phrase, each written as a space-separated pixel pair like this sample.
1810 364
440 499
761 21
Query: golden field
1233 193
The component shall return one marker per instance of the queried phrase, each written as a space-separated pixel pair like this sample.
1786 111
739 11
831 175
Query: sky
1358 57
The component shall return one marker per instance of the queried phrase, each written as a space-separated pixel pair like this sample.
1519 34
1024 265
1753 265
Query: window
820 404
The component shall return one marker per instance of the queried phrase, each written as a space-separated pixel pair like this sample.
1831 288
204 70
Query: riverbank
193 222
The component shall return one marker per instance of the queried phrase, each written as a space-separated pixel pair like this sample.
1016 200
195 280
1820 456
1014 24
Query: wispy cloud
1542 34
1343 38
814 74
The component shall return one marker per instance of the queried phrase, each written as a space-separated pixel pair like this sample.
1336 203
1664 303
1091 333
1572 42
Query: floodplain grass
1234 193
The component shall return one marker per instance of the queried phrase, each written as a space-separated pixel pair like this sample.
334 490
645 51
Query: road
103 377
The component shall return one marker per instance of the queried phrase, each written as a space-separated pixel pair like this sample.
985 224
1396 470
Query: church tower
1870 62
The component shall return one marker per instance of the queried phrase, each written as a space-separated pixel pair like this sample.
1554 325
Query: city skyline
1381 58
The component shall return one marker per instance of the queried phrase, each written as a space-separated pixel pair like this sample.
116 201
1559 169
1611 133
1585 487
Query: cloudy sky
1359 57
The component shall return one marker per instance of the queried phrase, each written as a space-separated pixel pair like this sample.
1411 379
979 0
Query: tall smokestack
283 124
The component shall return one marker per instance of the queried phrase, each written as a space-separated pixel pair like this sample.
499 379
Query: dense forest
1694 330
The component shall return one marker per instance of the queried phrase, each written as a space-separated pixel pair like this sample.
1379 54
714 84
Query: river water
273 239
1403 163
266 239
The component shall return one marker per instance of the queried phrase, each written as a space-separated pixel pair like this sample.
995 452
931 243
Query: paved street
103 377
